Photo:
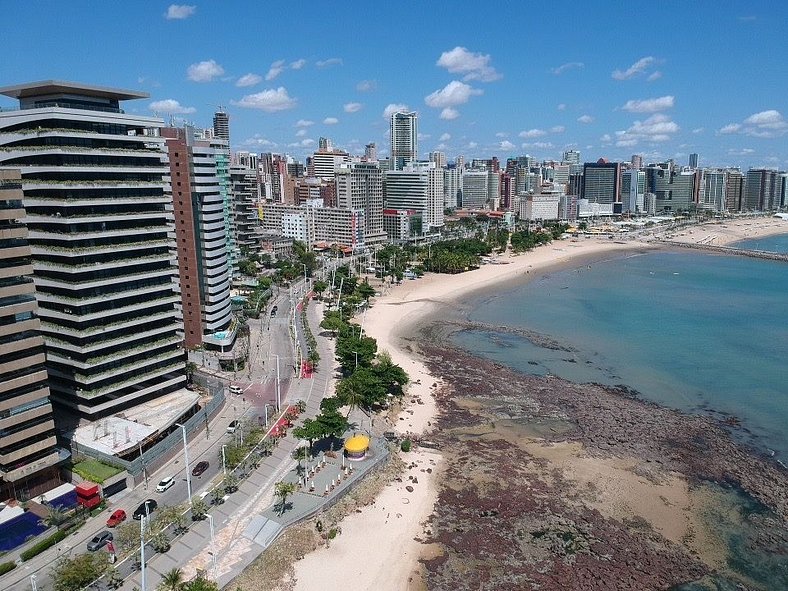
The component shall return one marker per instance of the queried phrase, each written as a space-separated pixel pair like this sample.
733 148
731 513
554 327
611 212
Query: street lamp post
265 409
224 461
213 545
33 584
186 459
142 550
142 461
306 283
355 353
278 394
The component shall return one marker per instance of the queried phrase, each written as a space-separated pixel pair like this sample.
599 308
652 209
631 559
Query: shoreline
394 320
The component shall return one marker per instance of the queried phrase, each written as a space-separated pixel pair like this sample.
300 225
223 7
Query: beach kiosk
356 447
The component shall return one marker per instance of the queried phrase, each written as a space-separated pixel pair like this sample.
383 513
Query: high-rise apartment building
475 185
28 456
693 160
601 181
99 229
200 231
571 157
359 186
713 189
633 189
761 190
452 187
417 187
404 139
371 152
245 192
675 190
637 161
221 125
734 190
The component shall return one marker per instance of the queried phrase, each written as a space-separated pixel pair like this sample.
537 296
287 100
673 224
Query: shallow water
690 330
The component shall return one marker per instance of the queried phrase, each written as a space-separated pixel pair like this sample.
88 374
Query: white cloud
204 71
248 80
742 152
765 124
540 145
179 11
501 134
332 61
567 66
654 76
367 86
445 137
352 107
449 113
475 66
257 140
301 132
170 107
698 130
652 105
302 144
657 128
730 128
304 123
585 119
298 64
471 145
532 133
606 138
270 100
506 145
453 94
330 121
639 67
558 129
276 68
424 136
561 106
392 108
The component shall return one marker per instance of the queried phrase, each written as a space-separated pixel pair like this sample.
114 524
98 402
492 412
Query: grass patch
95 471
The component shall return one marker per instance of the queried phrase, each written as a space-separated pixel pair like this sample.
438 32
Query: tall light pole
186 459
306 283
142 461
356 354
33 584
278 395
142 550
213 544
224 461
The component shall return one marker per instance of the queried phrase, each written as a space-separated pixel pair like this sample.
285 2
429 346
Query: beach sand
380 545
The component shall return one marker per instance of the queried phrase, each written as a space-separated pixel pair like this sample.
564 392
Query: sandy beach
381 545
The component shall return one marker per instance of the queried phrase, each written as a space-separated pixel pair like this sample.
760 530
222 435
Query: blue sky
610 79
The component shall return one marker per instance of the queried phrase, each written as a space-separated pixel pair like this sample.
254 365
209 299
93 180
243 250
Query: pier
758 254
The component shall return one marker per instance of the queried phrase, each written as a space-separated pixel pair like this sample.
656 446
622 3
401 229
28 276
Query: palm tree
55 516
283 490
172 580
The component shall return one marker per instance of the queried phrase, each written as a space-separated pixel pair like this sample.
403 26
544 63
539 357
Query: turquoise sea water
694 331
778 243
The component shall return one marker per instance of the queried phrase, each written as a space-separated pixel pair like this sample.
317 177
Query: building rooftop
50 87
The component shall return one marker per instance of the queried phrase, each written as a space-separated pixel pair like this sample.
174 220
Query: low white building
540 206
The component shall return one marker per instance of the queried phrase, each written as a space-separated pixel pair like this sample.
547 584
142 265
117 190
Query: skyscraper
404 139
103 256
221 125
359 186
417 187
571 157
601 181
693 160
761 190
200 231
27 440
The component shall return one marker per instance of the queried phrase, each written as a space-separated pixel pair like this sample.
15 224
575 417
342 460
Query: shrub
44 544
7 567
405 445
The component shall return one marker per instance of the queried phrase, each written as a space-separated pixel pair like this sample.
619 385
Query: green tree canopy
73 574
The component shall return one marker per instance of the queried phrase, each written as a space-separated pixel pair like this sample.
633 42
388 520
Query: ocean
698 332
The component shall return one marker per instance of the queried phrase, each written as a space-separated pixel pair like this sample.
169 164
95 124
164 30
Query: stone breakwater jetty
745 252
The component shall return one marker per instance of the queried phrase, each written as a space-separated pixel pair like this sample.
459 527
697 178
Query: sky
609 79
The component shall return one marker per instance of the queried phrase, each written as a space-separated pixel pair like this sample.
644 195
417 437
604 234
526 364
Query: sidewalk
235 534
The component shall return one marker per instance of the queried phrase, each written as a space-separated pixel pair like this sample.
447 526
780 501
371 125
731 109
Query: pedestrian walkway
245 523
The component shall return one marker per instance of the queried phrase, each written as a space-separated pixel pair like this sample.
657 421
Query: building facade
100 233
359 186
601 181
404 139
28 452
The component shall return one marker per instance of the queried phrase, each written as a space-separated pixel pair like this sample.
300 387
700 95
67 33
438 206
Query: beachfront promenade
249 520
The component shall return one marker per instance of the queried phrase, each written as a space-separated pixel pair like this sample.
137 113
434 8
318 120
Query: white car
237 390
168 482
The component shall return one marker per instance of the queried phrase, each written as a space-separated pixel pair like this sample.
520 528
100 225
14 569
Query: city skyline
608 82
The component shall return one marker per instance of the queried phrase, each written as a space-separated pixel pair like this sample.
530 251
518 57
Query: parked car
165 484
237 390
118 516
99 541
148 506
200 468
232 427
